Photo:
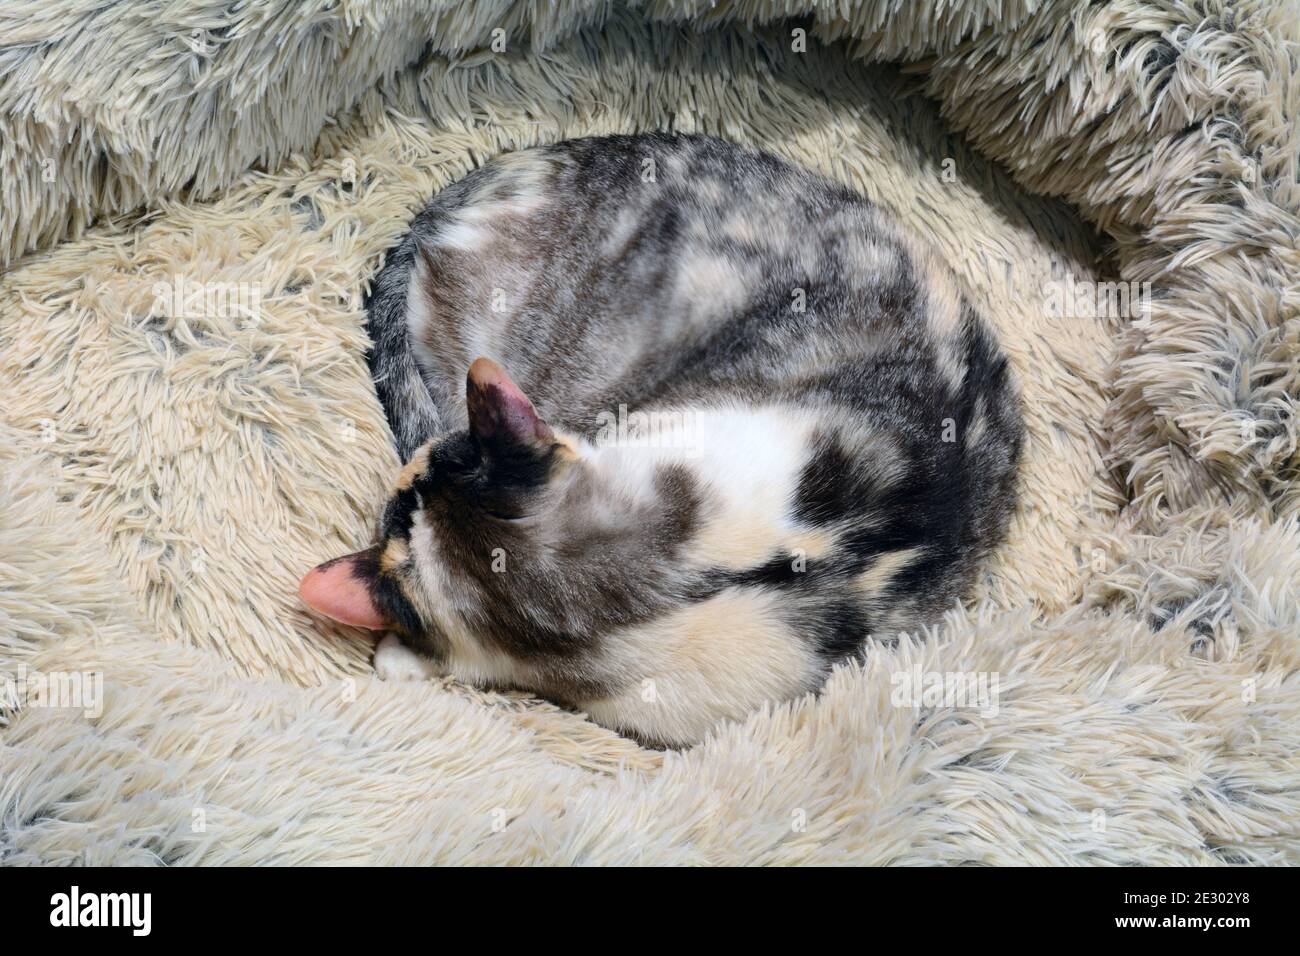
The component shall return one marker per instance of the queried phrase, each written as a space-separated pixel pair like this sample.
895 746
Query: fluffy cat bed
169 469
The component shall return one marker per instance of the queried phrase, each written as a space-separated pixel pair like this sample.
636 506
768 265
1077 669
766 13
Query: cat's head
507 535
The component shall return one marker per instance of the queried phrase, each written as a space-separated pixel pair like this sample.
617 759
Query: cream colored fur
165 480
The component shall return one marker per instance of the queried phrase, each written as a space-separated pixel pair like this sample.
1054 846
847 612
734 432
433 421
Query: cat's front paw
394 661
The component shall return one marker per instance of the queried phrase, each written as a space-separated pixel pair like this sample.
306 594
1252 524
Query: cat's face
505 539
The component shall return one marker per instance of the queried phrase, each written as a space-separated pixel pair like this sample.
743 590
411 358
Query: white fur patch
520 189
394 661
717 659
748 462
463 235
710 287
943 312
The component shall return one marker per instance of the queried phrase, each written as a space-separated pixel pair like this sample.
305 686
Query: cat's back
674 271
655 268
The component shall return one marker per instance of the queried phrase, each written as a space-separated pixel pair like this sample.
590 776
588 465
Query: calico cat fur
763 429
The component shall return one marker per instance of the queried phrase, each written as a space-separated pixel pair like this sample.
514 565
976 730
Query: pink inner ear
335 590
498 409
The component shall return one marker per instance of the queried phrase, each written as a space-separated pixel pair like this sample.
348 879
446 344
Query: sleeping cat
725 423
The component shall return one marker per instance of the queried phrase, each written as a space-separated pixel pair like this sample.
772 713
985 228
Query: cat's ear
340 589
499 413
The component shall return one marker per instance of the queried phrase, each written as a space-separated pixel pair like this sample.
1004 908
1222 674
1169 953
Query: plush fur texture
169 473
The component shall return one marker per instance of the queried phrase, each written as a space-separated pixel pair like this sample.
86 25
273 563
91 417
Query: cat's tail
412 414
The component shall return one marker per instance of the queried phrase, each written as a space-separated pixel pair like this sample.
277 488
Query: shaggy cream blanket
192 199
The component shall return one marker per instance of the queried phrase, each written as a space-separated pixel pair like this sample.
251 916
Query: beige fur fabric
187 425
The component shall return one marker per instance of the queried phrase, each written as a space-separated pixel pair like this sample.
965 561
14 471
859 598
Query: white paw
396 662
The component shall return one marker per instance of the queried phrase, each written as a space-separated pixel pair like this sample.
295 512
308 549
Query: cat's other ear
499 413
341 589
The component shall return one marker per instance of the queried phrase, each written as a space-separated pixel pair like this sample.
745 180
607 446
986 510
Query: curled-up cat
725 424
